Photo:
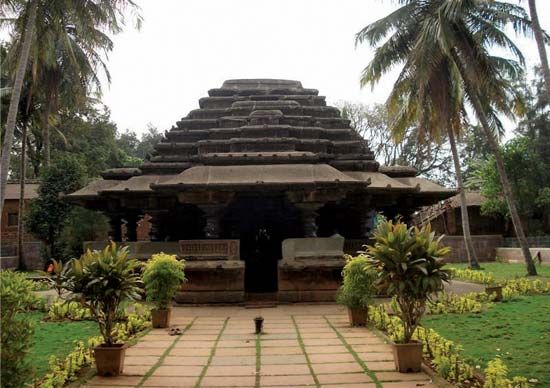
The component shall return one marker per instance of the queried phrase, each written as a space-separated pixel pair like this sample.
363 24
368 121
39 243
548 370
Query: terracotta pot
497 290
161 317
358 316
407 357
109 360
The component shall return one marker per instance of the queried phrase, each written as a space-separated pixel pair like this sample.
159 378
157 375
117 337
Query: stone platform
303 345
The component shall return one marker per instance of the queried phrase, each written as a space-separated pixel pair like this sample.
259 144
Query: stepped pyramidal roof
261 132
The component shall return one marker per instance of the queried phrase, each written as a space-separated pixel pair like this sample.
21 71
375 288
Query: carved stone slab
210 249
313 247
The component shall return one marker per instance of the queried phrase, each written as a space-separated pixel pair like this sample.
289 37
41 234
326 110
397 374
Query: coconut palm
66 59
541 45
443 48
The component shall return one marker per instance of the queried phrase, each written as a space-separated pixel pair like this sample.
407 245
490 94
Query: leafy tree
47 213
82 225
139 149
530 180
443 46
373 123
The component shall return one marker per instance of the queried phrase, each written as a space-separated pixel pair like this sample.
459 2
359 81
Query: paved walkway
303 345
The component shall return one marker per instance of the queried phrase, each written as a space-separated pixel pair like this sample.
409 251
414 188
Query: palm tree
428 93
541 44
29 16
448 40
66 58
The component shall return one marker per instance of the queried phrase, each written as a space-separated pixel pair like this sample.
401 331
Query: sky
186 47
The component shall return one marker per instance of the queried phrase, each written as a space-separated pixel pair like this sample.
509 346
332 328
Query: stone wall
484 245
514 255
32 256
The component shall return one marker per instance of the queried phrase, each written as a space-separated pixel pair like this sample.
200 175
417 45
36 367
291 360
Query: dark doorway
261 224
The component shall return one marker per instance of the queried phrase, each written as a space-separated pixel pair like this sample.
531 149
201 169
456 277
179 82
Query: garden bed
517 331
507 271
56 339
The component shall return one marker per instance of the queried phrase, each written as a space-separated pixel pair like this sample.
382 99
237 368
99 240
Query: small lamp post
259 323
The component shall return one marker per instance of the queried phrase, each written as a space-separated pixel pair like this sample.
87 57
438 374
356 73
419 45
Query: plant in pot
101 281
357 289
163 276
409 262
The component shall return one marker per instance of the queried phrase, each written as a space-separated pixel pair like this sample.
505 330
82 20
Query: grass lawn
518 331
505 271
56 338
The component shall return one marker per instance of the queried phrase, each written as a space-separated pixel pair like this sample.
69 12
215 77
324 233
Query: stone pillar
157 228
212 214
115 221
131 227
309 218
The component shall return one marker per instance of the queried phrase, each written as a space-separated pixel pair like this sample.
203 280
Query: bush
409 262
101 281
16 297
163 276
358 288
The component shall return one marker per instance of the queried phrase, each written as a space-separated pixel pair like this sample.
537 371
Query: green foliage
358 287
475 276
47 213
496 376
455 304
82 225
529 176
58 277
64 370
68 310
16 298
163 276
409 262
507 271
101 280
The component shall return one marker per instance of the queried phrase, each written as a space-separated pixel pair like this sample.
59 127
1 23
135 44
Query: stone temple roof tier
261 133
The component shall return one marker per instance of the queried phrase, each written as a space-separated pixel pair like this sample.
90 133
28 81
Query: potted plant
163 276
492 288
100 281
409 262
357 289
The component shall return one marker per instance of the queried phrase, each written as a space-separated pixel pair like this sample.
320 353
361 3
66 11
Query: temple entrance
261 224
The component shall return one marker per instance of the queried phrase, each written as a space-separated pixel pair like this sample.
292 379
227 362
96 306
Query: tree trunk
541 46
470 251
506 187
14 99
22 172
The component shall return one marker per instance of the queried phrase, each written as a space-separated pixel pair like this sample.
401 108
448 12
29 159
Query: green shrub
357 288
409 262
101 281
163 276
61 310
16 297
476 276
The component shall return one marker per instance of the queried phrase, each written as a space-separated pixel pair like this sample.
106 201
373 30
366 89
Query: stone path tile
181 360
140 360
342 367
219 350
326 349
287 381
238 381
180 382
115 382
178 370
330 358
283 359
284 369
396 376
249 351
282 350
233 360
344 378
187 352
